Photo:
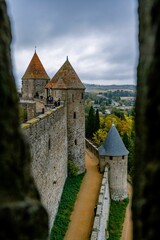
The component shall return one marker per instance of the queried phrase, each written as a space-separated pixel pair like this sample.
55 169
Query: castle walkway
82 216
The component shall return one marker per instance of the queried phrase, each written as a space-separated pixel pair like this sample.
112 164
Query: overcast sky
98 36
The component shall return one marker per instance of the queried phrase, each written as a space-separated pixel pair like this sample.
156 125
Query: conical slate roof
35 69
113 144
65 78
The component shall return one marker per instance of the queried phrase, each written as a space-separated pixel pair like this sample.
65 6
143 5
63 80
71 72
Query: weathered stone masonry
76 128
103 204
57 136
102 214
47 136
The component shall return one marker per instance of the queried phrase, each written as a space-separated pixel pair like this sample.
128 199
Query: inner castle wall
99 229
47 136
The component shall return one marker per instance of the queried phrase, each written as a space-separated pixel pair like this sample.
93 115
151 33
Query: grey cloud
97 34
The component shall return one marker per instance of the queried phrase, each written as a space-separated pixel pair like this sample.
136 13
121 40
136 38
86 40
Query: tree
97 121
99 137
119 113
90 124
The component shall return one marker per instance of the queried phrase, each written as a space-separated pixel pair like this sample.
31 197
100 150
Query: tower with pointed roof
34 79
114 154
67 86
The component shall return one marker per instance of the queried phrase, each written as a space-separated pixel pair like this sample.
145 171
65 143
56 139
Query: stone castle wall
118 177
92 148
76 128
47 136
30 108
28 89
102 213
32 86
103 205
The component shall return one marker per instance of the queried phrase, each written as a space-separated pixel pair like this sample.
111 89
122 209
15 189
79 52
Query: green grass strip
70 191
116 218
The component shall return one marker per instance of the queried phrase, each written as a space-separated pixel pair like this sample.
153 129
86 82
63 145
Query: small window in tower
111 158
74 115
49 143
75 141
82 95
72 97
122 157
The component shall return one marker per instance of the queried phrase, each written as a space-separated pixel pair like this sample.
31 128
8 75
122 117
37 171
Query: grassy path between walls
70 191
80 195
127 233
82 217
116 218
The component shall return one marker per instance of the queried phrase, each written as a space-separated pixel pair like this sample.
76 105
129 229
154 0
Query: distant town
107 98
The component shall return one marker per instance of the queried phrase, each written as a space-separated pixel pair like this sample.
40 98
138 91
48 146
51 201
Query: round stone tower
34 80
66 86
114 154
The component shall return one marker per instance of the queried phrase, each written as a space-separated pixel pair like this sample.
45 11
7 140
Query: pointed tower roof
35 69
113 144
65 78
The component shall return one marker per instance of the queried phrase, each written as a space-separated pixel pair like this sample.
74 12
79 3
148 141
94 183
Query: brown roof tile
65 78
35 69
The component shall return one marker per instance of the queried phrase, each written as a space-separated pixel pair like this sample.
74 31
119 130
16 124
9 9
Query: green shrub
22 114
116 218
72 169
69 195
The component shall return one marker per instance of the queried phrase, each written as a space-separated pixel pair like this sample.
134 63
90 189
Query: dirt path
83 214
127 226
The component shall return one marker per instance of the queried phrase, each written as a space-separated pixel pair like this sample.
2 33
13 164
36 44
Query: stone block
33 121
100 199
94 235
105 175
96 224
102 189
25 125
103 181
99 210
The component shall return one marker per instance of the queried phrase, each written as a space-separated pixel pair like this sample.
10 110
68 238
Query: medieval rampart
47 136
92 148
102 213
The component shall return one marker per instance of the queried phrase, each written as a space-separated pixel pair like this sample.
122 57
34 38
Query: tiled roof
113 144
65 78
35 69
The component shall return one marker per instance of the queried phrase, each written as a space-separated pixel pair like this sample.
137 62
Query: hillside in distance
113 87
